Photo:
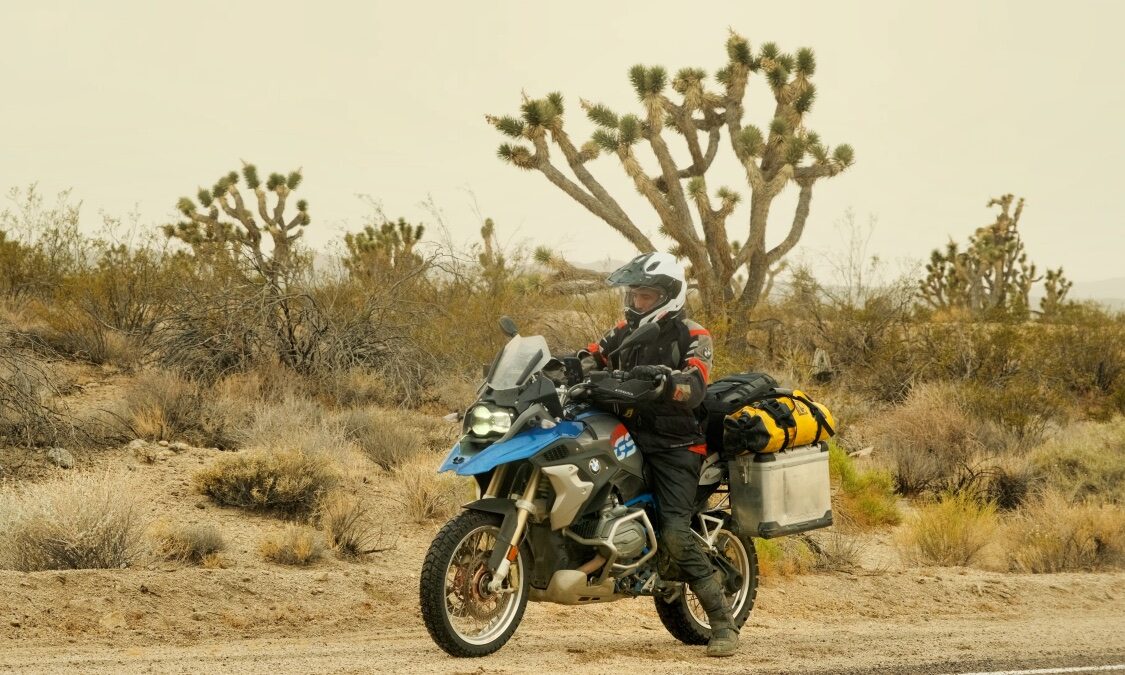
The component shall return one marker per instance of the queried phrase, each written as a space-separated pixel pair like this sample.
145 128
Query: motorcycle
563 513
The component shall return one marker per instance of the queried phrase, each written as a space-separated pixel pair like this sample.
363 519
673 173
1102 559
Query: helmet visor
642 299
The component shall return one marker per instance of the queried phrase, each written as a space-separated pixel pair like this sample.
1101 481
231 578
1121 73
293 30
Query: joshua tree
495 269
386 251
786 152
292 322
205 230
993 275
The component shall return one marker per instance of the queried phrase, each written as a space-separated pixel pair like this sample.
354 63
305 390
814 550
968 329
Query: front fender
523 445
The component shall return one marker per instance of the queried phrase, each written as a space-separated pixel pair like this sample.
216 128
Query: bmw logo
595 466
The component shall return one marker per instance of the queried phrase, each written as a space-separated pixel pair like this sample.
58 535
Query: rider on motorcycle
666 429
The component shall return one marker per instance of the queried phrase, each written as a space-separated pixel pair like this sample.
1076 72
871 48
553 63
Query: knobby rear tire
690 627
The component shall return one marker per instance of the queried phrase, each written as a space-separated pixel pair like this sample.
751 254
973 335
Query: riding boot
724 633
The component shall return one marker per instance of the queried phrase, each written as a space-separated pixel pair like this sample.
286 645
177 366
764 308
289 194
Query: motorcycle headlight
484 421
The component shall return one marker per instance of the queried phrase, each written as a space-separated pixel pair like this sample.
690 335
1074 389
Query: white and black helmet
660 272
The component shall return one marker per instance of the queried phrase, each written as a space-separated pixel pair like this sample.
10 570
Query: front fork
524 507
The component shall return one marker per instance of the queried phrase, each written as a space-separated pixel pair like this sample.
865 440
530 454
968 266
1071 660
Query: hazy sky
946 103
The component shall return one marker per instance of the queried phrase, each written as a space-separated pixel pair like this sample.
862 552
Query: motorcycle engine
630 538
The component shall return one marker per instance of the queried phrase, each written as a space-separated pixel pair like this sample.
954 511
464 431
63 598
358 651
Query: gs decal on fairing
622 442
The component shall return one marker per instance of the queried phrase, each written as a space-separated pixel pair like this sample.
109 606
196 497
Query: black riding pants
673 476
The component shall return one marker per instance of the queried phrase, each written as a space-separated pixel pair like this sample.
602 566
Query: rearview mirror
509 326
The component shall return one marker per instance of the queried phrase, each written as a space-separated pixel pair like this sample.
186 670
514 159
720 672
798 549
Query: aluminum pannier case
781 493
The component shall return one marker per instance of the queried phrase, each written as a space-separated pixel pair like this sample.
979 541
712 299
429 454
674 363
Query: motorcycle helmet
657 272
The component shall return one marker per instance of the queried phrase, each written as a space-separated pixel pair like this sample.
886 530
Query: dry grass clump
79 337
952 531
162 406
351 527
384 438
349 387
76 522
1085 461
835 551
270 383
1054 535
302 425
295 545
864 498
187 543
284 482
298 423
427 495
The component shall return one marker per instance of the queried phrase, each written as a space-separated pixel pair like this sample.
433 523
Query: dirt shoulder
355 618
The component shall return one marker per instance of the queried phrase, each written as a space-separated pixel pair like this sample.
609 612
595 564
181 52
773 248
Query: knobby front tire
462 616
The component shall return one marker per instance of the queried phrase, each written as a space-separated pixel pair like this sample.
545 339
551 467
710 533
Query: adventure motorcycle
564 515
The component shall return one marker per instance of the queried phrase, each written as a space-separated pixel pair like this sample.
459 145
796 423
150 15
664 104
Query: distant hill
1107 291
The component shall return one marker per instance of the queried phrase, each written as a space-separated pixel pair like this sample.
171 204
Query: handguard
617 387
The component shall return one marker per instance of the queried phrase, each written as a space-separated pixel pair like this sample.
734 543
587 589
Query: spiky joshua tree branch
785 152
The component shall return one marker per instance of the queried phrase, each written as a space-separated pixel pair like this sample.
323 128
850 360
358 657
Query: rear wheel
463 617
684 617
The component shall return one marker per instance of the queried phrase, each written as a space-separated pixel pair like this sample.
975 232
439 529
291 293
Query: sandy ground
344 616
359 618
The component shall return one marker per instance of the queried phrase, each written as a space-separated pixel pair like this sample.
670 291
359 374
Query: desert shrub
24 270
988 354
351 526
1083 353
951 531
931 444
1084 461
68 333
1009 481
784 557
275 424
835 551
27 414
295 545
187 543
77 522
41 244
127 290
284 482
161 405
864 498
302 425
427 495
1054 535
1023 408
350 387
266 383
384 438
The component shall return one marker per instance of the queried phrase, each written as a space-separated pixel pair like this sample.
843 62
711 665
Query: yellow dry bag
786 419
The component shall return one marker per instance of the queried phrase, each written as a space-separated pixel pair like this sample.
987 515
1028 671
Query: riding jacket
668 423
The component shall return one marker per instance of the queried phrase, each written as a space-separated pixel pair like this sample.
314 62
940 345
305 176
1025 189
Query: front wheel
463 617
684 617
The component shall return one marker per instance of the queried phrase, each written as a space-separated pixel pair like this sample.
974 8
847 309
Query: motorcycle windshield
522 356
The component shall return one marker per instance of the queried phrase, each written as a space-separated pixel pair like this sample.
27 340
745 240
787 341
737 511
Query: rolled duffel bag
727 395
786 419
